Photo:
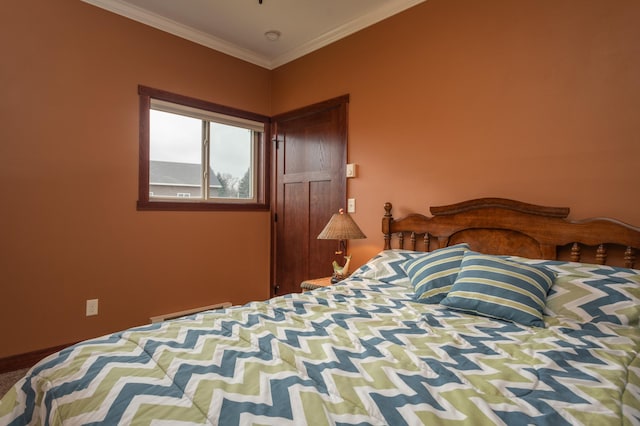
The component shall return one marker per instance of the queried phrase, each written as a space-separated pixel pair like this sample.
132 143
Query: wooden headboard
502 226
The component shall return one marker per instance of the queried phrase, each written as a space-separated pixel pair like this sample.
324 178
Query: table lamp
341 227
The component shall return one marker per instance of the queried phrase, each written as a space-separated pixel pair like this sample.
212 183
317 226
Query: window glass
231 158
175 156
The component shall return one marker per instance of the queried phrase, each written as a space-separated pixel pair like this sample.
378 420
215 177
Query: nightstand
317 283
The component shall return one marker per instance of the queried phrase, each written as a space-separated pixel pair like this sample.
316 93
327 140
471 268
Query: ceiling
237 27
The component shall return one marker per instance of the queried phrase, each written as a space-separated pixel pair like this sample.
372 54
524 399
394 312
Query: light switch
351 170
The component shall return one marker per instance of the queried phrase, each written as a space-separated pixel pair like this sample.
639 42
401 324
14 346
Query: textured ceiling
237 27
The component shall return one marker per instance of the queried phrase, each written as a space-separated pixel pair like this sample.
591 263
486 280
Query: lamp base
340 272
337 278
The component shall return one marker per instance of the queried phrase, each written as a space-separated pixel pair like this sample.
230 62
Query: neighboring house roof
179 174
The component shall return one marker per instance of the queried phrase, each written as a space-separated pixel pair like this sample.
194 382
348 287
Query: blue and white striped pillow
499 288
433 274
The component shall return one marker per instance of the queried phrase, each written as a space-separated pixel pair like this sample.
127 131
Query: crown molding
183 31
344 30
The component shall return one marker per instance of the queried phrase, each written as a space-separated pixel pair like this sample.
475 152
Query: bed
489 311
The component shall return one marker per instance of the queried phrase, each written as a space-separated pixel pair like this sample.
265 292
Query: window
196 155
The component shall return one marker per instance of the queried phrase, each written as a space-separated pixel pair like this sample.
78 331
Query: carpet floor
7 380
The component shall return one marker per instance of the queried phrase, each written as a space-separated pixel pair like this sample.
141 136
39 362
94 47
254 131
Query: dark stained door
310 185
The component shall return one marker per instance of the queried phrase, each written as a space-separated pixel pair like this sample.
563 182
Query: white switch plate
351 170
92 307
351 205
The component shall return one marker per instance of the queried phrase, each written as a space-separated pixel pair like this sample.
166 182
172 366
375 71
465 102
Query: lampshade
341 227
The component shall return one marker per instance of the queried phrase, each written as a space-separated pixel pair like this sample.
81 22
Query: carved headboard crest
503 226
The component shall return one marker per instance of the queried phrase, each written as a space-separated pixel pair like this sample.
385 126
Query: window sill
199 206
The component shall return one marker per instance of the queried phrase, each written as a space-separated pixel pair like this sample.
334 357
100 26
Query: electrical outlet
92 307
351 205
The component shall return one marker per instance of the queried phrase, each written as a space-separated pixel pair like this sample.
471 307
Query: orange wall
451 100
69 174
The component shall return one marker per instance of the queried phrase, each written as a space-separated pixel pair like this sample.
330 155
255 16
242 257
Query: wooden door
310 186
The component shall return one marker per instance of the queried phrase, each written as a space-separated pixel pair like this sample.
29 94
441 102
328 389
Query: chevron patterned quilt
362 352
